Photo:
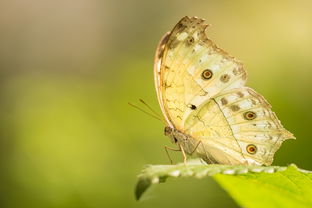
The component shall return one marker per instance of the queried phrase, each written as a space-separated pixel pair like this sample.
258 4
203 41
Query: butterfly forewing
185 58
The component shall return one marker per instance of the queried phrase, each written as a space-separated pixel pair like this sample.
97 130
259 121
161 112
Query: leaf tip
141 187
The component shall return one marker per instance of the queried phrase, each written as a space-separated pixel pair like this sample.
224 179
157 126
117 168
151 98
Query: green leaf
249 186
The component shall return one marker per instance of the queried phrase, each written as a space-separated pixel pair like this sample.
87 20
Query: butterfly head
170 133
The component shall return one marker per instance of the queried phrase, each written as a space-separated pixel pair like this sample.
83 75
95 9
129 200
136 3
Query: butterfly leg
172 149
195 148
200 142
183 153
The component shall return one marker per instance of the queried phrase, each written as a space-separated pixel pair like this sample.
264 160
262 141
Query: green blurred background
69 67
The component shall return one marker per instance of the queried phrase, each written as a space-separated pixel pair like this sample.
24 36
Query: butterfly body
189 144
208 109
178 137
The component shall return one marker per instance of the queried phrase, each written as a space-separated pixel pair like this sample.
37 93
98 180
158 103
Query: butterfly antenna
140 109
149 107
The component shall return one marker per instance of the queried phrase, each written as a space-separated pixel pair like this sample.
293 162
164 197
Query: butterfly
207 107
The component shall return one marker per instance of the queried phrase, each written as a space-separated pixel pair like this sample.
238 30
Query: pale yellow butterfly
207 107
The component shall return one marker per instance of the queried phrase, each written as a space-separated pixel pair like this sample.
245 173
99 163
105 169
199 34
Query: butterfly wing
181 58
191 76
237 127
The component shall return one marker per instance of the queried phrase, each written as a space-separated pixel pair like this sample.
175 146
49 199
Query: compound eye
168 130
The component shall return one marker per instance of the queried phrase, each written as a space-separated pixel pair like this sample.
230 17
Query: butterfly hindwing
209 126
253 124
